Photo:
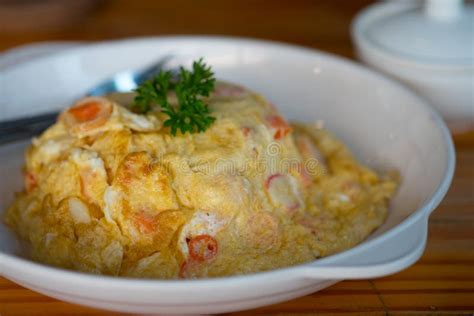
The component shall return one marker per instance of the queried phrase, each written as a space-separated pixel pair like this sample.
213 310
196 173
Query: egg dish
109 191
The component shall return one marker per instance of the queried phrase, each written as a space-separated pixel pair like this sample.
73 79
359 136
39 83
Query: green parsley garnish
192 114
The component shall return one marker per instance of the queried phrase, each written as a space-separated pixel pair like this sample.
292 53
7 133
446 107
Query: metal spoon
126 81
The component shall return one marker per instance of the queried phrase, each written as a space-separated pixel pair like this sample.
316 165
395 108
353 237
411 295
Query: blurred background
322 24
433 30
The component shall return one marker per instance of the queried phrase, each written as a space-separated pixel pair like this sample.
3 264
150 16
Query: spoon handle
26 127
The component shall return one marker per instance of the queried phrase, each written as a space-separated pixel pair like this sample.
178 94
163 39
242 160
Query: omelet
109 191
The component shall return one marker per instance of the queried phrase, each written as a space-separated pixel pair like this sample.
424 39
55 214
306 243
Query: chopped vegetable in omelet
108 191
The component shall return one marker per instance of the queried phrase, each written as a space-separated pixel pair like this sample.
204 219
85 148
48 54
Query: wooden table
441 282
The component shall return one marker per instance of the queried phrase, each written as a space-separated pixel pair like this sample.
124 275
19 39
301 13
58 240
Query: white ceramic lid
434 31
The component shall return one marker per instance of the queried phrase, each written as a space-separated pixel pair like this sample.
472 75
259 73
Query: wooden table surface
441 282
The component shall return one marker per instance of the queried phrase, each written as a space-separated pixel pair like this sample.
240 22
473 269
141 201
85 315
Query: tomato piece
280 125
271 178
30 181
283 192
86 112
246 131
202 248
145 223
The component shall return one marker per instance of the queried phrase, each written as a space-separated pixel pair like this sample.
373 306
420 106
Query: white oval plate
385 124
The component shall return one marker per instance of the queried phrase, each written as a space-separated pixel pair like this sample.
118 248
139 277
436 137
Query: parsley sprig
192 114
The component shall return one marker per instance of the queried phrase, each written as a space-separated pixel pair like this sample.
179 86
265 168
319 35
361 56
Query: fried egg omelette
109 191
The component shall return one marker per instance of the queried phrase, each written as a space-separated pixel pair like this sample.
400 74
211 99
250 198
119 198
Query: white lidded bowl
386 125
429 46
